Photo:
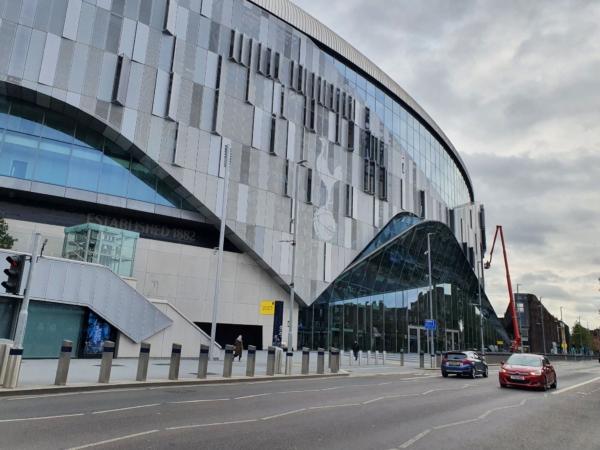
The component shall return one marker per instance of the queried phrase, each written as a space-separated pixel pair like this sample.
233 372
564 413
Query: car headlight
502 370
535 372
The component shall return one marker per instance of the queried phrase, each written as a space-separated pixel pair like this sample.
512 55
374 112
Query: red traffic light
12 284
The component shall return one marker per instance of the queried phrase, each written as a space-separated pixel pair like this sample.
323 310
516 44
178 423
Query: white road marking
287 413
252 396
202 400
334 406
108 441
415 439
454 424
125 409
575 386
65 394
201 425
373 400
25 419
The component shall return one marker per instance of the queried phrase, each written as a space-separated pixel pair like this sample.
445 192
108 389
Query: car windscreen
525 360
456 356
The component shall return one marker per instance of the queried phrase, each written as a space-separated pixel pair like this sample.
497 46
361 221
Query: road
357 412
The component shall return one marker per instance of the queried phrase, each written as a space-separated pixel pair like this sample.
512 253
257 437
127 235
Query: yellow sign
499 342
267 307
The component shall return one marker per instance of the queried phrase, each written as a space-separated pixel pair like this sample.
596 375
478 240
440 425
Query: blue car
465 363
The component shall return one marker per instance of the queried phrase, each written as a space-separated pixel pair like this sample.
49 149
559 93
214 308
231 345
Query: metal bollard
305 360
438 359
278 359
320 360
62 369
432 361
13 367
108 351
359 357
228 361
383 354
175 361
421 360
203 361
289 357
271 361
251 361
5 346
143 360
401 356
335 360
376 357
368 356
350 357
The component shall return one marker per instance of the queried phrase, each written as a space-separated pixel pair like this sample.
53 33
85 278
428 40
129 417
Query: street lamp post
213 325
430 332
480 309
295 222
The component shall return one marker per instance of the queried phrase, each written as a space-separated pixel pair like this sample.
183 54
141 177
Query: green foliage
581 337
6 240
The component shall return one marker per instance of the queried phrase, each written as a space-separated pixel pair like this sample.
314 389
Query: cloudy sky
516 87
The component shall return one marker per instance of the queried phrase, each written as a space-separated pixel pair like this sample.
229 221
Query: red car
527 370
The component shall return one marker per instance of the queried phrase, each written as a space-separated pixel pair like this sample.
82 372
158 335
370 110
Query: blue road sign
430 324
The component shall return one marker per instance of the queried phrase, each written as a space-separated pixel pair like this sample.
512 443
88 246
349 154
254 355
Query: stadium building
117 121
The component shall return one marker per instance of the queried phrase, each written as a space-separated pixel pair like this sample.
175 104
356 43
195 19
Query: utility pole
431 332
215 312
13 368
295 222
479 273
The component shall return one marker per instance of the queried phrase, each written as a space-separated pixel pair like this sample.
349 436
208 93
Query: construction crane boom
516 343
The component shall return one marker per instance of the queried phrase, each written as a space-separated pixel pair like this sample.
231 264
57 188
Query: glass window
52 163
165 195
58 127
115 174
25 118
87 137
4 106
84 168
142 184
17 155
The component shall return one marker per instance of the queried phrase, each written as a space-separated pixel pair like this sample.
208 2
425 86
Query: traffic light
15 274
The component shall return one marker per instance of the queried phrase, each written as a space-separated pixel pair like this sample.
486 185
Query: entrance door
417 339
452 340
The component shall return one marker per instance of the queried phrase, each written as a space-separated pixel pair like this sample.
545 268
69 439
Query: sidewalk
39 373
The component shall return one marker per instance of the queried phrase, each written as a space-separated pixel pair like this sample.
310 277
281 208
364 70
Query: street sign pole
431 332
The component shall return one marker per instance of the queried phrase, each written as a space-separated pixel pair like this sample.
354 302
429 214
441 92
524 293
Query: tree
6 240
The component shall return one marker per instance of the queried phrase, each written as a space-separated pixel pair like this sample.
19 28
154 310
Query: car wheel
555 384
503 386
485 373
472 374
545 384
445 374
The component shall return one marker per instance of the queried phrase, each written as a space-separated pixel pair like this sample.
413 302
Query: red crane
516 343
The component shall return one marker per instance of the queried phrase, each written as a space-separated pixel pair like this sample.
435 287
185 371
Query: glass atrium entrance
382 299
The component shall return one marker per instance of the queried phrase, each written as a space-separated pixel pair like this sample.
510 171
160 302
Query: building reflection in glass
381 299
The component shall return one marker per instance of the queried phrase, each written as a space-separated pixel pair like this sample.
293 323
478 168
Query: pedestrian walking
238 347
355 349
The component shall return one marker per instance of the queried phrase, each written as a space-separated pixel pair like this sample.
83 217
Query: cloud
515 86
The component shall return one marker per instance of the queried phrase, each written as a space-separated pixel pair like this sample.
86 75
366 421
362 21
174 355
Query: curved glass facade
424 148
43 145
382 300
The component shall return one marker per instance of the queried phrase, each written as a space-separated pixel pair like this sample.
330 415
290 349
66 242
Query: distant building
541 332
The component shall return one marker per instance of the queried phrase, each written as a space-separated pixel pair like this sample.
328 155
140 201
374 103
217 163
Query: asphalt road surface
357 412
